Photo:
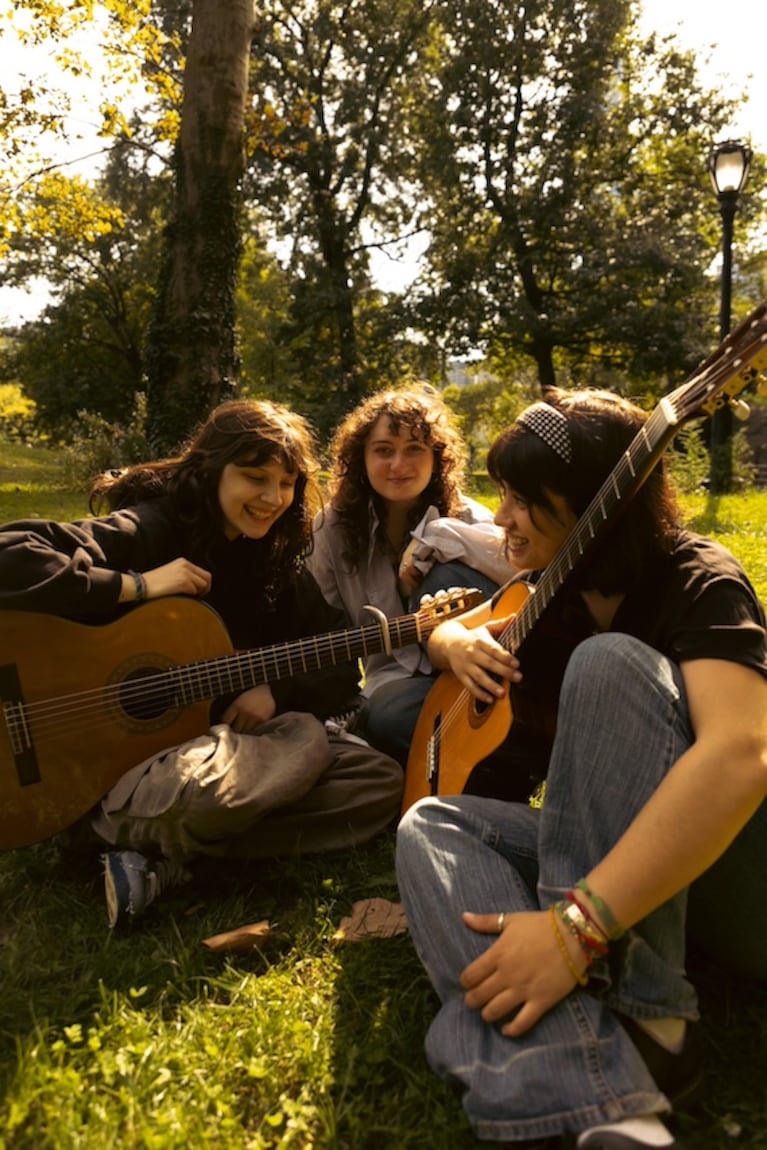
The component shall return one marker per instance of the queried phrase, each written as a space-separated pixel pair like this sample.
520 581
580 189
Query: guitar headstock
453 601
737 362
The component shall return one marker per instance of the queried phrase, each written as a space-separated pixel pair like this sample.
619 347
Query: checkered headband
549 425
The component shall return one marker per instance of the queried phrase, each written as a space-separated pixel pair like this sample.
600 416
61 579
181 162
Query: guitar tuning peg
740 409
762 385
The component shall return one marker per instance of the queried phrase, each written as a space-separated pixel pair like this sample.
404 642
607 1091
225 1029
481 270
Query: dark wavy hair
601 425
248 433
418 410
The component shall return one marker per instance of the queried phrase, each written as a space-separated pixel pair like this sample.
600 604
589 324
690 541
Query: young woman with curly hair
227 520
398 525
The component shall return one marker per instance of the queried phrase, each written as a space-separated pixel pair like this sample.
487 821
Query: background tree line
550 157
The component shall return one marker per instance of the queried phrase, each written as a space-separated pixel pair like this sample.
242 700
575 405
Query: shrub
691 465
17 415
99 445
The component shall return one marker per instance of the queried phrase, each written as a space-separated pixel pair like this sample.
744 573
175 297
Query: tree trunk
191 357
333 238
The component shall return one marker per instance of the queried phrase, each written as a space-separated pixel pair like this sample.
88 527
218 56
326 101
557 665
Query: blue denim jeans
392 710
623 722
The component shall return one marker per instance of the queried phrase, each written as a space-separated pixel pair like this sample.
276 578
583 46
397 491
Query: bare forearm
704 801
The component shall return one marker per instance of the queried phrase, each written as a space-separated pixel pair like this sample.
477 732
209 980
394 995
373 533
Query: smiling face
252 498
531 543
399 466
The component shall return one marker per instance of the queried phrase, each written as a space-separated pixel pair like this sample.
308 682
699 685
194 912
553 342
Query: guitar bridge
17 727
433 755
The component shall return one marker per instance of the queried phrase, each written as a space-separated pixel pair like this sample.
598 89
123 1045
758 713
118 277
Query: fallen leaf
242 938
372 918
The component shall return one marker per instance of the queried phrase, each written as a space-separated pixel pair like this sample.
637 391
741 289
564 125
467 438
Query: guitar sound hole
479 706
146 703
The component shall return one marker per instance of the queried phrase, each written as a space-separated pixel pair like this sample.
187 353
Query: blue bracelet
140 583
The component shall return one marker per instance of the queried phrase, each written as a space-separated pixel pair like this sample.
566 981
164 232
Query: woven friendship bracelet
612 926
549 425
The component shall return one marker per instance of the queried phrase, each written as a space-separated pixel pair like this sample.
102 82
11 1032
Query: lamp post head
728 164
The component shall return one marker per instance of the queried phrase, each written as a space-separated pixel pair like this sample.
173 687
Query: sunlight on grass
33 485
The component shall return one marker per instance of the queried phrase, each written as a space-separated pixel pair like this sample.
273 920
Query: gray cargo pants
292 788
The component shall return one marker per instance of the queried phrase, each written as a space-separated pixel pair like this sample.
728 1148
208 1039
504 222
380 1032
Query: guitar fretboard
731 368
196 682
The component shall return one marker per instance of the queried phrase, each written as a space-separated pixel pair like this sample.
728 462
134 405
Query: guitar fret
201 680
250 671
176 679
228 669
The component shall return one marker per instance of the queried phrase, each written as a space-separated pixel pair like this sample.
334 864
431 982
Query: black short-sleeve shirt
696 603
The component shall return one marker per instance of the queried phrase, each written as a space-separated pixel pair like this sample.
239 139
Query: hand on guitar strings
480 663
522 974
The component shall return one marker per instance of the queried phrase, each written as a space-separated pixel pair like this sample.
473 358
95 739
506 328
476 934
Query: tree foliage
330 162
554 157
97 246
570 216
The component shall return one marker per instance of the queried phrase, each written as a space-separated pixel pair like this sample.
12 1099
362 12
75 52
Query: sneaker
679 1076
599 1139
132 882
347 725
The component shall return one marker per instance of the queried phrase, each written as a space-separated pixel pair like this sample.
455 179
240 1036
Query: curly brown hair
248 433
600 426
422 412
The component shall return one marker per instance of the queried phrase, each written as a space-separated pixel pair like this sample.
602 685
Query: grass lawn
146 1039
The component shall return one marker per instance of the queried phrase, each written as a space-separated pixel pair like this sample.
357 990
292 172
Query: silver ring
501 917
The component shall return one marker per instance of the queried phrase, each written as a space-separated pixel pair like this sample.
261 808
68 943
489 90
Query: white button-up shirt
375 580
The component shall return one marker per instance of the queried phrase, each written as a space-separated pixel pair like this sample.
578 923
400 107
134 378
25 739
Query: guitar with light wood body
80 705
455 731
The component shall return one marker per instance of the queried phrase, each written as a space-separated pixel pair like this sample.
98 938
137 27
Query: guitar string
52 716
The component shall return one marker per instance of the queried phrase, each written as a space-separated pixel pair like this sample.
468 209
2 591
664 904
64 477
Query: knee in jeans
415 823
610 657
610 650
614 671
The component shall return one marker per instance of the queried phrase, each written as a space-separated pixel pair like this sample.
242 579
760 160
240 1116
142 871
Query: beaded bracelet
613 927
581 979
140 584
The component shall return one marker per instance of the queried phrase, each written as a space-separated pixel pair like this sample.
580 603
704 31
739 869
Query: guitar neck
197 682
627 476
735 364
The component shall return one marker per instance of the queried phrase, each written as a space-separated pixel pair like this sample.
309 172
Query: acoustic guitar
80 705
455 731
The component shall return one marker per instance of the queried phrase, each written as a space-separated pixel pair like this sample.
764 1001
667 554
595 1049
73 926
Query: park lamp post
728 165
